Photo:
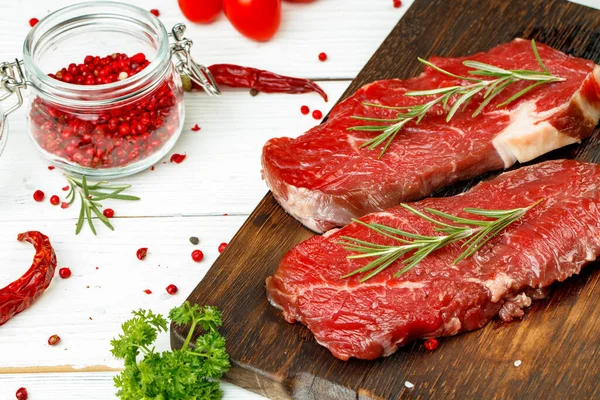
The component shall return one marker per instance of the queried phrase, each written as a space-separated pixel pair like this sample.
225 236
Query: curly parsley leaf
188 373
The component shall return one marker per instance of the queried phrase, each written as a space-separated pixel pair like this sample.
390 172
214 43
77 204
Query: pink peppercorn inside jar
106 100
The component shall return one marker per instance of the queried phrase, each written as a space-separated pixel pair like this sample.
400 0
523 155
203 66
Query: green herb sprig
91 194
188 373
463 94
477 232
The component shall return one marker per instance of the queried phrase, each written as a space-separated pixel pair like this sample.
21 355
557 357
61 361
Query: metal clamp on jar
117 108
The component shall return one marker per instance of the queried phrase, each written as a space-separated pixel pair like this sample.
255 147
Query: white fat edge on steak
303 204
528 136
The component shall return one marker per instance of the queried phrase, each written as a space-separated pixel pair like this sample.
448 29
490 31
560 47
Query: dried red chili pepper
20 294
261 80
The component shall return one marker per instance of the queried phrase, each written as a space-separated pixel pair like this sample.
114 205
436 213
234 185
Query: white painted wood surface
221 175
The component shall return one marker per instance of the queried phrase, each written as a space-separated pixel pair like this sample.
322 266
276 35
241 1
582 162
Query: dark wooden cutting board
558 340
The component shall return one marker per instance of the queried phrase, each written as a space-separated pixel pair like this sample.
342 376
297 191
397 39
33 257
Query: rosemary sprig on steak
462 94
475 233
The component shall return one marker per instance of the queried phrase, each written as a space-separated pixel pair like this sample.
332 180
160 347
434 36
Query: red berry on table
32 23
195 128
38 195
197 255
22 394
322 56
53 340
431 344
222 247
54 200
397 3
317 114
64 205
155 12
178 158
109 213
304 110
141 253
65 188
64 273
51 167
147 291
172 289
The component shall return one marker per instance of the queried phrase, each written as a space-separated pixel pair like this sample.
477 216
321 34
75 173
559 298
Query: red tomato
256 19
203 11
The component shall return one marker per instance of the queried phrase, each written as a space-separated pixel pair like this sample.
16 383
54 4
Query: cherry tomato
255 19
204 11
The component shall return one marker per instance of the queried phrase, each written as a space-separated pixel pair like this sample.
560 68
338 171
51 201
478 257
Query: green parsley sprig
91 194
190 373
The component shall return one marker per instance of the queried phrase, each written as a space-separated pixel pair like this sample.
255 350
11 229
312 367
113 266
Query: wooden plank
88 386
557 341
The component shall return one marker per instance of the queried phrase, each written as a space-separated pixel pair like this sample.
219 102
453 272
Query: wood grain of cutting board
558 340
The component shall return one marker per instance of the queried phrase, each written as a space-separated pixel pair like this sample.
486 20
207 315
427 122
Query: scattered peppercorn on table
192 201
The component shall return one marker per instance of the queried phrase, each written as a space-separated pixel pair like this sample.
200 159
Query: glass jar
106 98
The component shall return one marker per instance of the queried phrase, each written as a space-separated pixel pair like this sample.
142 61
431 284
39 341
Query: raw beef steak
553 241
324 179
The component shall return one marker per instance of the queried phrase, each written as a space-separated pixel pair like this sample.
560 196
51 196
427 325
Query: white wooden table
221 175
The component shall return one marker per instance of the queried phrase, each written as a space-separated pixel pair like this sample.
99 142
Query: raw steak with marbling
324 179
553 241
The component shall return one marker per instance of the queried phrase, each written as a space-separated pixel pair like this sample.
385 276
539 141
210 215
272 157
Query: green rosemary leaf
445 72
102 218
490 95
80 220
71 195
389 260
389 231
488 213
483 67
86 190
368 128
125 197
88 215
374 119
456 219
386 107
431 92
464 98
519 94
538 58
424 216
103 196
346 239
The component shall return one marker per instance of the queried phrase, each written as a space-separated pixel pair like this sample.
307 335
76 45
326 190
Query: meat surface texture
324 179
553 241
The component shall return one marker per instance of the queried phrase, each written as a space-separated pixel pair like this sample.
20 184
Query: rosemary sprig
490 88
473 232
91 194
